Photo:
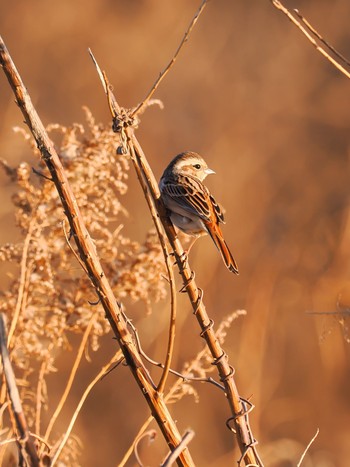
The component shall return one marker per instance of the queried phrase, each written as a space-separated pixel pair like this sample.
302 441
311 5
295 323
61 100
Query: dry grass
49 300
270 116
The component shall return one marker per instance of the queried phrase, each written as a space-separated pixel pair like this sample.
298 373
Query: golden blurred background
271 117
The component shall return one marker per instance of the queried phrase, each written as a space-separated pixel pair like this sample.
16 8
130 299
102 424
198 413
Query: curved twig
184 378
151 434
75 254
173 390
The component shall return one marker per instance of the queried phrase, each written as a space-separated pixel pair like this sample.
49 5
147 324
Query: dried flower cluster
50 297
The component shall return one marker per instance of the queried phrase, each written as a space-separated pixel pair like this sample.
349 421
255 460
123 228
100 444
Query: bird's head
190 163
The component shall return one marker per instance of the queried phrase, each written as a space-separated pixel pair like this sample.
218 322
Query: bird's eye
197 166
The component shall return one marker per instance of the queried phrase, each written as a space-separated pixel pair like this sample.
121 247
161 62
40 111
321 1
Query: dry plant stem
173 390
88 255
308 447
131 448
7 441
39 390
121 124
173 372
318 35
4 442
3 445
70 379
139 109
169 267
21 423
151 434
306 30
245 438
87 391
41 382
22 282
171 458
9 433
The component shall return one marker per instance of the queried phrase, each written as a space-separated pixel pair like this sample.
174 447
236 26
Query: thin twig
308 30
22 281
3 407
322 39
87 391
131 448
8 441
246 441
151 434
39 390
173 390
71 378
184 377
308 447
169 267
71 247
171 458
21 422
139 108
39 438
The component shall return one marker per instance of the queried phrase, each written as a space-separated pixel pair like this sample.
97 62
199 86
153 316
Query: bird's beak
209 171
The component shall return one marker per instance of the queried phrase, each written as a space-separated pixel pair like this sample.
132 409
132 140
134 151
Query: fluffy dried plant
51 297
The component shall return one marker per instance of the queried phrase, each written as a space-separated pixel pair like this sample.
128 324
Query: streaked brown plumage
192 208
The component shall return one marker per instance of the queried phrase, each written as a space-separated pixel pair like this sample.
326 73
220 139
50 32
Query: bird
190 205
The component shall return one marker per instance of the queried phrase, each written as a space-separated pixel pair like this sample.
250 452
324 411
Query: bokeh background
271 117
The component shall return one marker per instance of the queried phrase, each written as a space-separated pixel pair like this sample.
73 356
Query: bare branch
308 447
310 33
139 109
322 39
88 255
123 124
24 272
246 441
184 377
21 422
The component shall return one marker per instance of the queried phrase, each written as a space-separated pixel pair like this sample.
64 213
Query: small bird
191 206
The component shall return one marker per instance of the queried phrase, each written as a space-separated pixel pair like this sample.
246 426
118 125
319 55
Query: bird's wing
217 209
191 195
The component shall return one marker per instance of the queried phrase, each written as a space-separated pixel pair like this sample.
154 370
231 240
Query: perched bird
191 206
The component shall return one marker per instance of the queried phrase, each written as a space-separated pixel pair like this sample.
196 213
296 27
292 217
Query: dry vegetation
271 118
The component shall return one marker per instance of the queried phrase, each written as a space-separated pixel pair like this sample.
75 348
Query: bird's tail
221 245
